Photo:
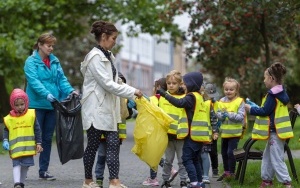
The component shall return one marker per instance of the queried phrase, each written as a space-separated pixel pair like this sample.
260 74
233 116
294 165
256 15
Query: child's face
268 80
230 90
172 85
19 105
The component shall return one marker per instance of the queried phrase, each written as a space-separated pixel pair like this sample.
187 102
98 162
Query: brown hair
160 83
229 79
277 71
102 27
47 38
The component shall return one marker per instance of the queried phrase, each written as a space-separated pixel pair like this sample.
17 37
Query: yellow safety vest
121 130
199 128
230 129
154 100
281 120
21 134
172 111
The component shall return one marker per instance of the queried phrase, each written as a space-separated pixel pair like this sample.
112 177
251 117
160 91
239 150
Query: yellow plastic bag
150 132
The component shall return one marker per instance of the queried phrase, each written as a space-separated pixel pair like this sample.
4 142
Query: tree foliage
240 38
237 38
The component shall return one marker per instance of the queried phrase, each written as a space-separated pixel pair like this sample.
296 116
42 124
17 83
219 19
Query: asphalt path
133 171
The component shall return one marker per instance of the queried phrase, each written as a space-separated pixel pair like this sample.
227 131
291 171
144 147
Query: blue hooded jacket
268 108
42 81
193 82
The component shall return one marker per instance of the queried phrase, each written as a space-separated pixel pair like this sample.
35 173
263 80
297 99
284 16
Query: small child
273 124
174 81
21 136
210 94
154 99
231 111
193 125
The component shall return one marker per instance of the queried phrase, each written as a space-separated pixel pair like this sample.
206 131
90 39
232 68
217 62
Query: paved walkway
71 175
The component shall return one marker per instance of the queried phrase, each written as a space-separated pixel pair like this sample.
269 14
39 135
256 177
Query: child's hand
5 145
162 92
252 104
224 115
297 106
247 107
215 136
39 148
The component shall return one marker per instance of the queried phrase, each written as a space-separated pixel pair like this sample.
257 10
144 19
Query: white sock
17 173
24 170
194 183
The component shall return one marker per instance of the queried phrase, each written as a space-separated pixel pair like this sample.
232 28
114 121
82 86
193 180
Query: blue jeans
153 174
100 165
47 121
190 155
227 147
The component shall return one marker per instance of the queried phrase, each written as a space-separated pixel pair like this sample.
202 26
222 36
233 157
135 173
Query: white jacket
100 99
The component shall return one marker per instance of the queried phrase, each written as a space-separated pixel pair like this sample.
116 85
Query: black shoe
47 176
166 184
183 184
18 185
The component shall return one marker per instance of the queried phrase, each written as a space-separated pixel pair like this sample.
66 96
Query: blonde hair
176 74
232 80
47 38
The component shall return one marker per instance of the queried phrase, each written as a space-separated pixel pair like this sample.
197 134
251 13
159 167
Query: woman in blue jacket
45 83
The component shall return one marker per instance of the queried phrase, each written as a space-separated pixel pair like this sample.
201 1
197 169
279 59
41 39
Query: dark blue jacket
268 108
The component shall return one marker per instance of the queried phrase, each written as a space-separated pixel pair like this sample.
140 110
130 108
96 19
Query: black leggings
112 152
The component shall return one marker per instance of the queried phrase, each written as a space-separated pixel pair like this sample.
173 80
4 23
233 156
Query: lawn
253 179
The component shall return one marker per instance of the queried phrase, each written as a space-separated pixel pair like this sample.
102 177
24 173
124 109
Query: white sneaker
206 181
90 185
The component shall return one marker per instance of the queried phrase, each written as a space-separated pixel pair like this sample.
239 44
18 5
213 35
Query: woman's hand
138 93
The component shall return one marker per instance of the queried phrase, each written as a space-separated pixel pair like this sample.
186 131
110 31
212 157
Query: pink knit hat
18 94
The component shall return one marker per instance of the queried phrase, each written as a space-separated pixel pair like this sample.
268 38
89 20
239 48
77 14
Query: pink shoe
265 184
151 182
287 185
174 173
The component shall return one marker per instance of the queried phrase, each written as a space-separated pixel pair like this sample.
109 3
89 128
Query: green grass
253 179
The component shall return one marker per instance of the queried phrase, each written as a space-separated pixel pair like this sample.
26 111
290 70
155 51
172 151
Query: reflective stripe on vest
230 129
199 128
21 134
172 111
281 120
122 129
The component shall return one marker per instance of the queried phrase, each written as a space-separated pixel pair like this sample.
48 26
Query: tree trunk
266 41
4 99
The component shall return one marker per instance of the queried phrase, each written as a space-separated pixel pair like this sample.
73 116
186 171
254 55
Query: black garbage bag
69 131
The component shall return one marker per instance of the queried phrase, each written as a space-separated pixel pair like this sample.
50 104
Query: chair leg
237 175
292 164
243 171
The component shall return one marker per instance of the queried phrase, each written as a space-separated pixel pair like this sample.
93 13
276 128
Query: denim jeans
190 159
100 165
153 174
227 147
47 121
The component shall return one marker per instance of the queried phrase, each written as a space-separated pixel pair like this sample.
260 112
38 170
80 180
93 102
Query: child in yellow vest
273 124
231 111
174 81
21 136
193 125
154 99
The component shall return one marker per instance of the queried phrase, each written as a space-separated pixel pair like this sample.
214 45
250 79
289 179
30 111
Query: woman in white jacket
101 103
